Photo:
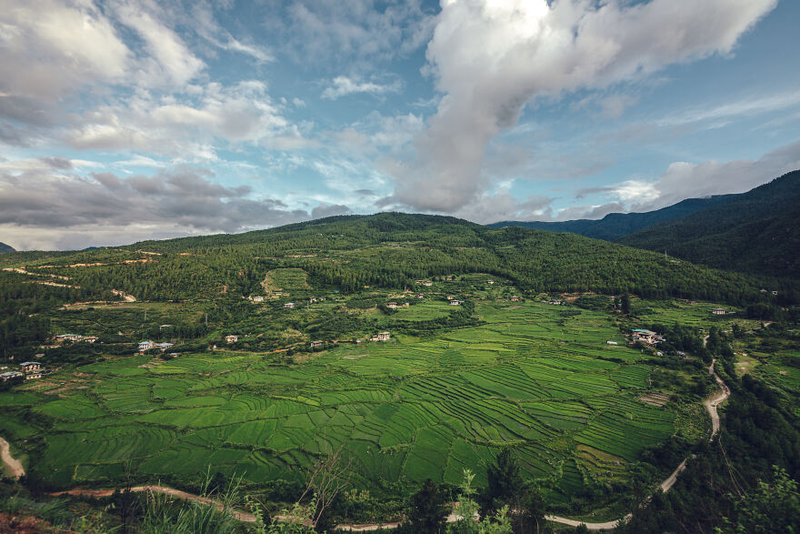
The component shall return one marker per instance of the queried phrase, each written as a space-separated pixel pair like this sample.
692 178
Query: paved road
14 466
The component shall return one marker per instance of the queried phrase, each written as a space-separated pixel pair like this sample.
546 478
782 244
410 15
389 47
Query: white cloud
343 86
491 58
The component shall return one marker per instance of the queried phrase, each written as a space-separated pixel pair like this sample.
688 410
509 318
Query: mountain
757 231
6 248
392 250
616 225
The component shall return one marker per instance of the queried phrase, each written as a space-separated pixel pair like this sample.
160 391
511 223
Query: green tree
771 507
428 512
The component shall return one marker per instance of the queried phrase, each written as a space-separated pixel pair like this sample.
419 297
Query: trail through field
13 465
99 493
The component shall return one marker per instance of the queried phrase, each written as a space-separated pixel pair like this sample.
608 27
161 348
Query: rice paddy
536 378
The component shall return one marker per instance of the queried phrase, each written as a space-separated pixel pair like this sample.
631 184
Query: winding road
711 403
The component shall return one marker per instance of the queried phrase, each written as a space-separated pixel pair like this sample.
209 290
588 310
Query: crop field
536 378
285 280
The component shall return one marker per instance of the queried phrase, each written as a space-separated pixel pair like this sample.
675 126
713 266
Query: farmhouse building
718 311
647 337
30 367
289 305
9 375
316 344
257 298
381 336
164 346
514 298
146 345
455 303
611 343
427 283
231 339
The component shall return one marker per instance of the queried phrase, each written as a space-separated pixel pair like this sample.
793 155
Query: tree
507 488
428 512
469 522
625 304
770 507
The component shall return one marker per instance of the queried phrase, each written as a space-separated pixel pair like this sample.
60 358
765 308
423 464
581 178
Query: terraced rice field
533 377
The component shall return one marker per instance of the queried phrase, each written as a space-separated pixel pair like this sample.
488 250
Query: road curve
711 404
13 465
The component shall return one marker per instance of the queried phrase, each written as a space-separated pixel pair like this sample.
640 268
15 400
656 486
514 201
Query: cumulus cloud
490 59
178 201
343 86
684 180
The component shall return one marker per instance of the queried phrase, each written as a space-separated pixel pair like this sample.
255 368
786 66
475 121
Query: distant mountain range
6 248
757 231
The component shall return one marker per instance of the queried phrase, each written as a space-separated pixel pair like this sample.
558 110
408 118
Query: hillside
758 231
617 225
392 250
6 248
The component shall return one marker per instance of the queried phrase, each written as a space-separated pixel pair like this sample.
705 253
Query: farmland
537 378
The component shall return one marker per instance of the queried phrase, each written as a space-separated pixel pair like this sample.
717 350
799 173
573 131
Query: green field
536 378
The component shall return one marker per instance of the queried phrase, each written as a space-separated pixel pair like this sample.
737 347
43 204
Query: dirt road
712 402
13 466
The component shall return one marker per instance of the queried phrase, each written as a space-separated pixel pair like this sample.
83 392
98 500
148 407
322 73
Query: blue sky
135 119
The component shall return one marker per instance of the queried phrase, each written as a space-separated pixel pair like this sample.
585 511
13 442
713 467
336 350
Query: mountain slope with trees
757 232
6 248
617 225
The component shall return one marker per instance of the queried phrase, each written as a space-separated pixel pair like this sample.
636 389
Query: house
514 298
451 297
257 298
646 336
358 342
289 305
30 367
611 343
448 278
231 339
163 326
10 374
34 375
427 283
556 302
391 305
146 345
39 355
316 344
490 282
174 354
420 296
455 303
380 336
164 346
718 311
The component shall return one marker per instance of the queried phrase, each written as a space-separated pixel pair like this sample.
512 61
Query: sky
136 119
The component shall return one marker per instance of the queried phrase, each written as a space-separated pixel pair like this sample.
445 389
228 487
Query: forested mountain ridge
759 231
617 225
6 248
392 250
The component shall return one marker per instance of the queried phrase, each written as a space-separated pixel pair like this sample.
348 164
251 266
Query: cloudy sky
131 119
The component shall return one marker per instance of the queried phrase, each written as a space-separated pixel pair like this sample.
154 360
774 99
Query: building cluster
394 305
380 336
147 345
648 337
29 370
74 338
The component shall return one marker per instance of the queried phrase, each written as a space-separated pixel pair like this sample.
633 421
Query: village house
514 298
427 283
380 336
451 297
231 339
146 345
448 278
257 298
32 370
556 302
9 375
316 344
455 303
611 343
164 346
420 296
289 305
718 311
490 282
75 338
647 337
391 305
